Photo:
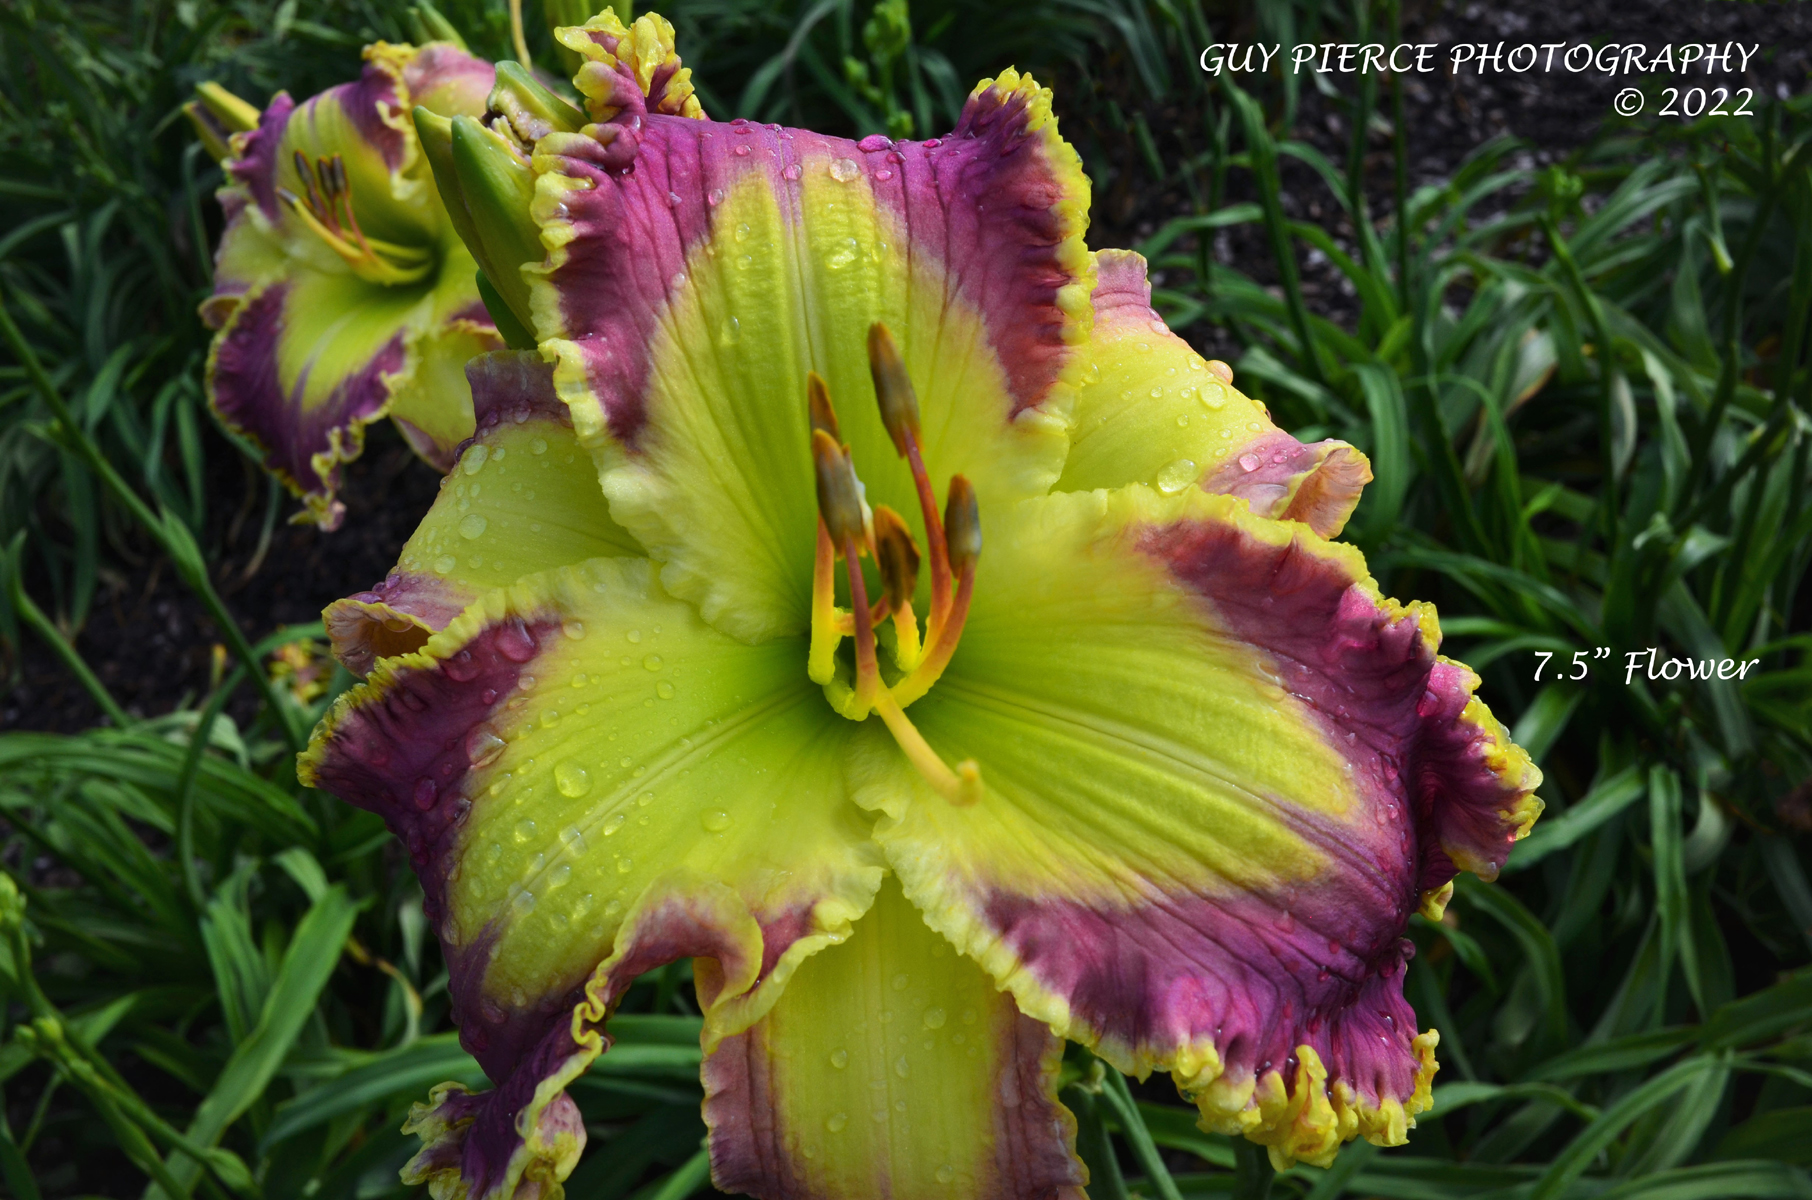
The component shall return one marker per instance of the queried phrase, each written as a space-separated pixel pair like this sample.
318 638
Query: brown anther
315 205
893 388
897 557
962 525
818 406
839 503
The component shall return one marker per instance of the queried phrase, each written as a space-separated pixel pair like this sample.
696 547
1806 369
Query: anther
962 546
818 407
897 557
307 174
893 388
962 526
838 501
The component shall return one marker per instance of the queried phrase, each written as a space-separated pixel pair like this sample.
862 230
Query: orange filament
845 530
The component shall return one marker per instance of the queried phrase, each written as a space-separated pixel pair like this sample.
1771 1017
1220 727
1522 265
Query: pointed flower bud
532 109
962 525
487 186
897 556
217 115
893 389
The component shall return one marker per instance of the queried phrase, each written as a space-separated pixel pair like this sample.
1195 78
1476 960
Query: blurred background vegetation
1580 367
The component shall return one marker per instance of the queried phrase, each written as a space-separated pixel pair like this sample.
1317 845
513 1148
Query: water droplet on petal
1177 475
901 1067
742 150
844 169
444 564
883 175
731 333
1214 396
839 1058
613 823
483 746
1249 462
945 1173
791 171
715 197
634 635
525 829
473 462
572 779
652 662
664 690
715 822
934 1018
538 446
472 525
836 1121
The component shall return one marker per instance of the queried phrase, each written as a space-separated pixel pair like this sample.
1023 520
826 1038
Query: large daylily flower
342 292
951 662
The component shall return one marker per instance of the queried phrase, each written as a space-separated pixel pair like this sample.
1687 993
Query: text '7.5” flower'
819 431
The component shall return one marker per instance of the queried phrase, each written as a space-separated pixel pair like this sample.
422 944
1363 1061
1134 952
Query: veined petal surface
329 321
1220 772
892 1066
684 302
524 498
591 782
1150 410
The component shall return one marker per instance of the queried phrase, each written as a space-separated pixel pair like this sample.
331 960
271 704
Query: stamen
868 671
897 556
962 532
371 259
900 414
308 181
818 407
827 622
843 530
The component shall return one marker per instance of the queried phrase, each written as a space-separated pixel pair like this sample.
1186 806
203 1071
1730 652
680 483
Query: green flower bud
531 108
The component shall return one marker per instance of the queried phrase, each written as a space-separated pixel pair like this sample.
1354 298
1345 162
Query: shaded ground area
150 641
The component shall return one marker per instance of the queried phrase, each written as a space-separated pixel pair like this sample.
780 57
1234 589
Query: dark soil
152 643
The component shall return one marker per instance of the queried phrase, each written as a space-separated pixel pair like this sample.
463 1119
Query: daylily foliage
814 431
342 292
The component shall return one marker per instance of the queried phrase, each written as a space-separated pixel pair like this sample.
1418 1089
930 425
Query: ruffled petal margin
312 348
1151 411
523 498
684 302
1220 772
591 782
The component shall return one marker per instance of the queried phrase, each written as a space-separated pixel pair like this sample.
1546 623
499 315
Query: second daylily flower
342 292
1154 765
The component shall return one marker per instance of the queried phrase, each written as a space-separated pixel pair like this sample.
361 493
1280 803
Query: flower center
847 529
328 197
